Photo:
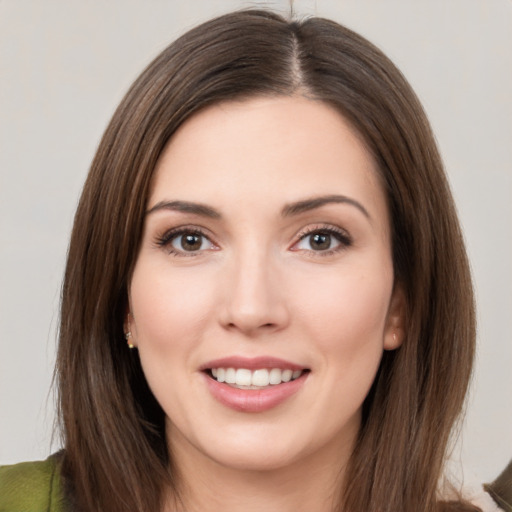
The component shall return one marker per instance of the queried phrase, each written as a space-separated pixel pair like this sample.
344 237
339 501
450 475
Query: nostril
247 327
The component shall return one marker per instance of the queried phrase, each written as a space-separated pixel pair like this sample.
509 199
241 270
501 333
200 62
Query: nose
255 299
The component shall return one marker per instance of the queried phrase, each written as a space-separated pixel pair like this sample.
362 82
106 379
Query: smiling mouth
263 378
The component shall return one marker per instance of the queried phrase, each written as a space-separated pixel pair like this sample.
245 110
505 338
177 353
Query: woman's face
263 294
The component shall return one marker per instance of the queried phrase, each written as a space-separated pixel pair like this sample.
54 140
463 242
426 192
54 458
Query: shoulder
33 486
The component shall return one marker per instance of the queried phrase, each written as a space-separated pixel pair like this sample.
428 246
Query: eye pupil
320 241
191 242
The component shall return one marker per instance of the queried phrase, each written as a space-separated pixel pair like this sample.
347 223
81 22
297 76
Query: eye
319 241
325 240
185 242
190 242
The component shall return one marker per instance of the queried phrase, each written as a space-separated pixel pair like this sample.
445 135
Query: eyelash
344 239
165 241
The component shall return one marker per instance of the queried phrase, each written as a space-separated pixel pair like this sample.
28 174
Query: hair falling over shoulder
116 458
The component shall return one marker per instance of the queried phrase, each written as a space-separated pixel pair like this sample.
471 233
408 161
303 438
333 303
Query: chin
256 459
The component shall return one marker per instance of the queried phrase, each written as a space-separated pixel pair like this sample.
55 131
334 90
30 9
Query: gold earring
128 335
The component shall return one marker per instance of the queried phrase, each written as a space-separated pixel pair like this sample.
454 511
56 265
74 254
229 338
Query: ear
394 333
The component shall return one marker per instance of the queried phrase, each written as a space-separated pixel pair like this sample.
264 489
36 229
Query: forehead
266 152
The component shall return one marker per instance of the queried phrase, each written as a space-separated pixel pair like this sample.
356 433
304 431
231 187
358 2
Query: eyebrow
186 207
288 210
317 202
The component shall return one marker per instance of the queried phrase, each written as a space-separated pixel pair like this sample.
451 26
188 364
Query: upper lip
251 363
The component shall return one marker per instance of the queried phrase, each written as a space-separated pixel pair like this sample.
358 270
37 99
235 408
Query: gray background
64 65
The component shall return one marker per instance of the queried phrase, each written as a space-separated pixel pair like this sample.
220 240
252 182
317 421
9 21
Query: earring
394 338
128 335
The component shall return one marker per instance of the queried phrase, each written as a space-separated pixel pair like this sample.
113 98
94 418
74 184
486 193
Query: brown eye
190 242
320 241
324 241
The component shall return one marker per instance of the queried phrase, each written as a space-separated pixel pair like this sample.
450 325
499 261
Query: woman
267 302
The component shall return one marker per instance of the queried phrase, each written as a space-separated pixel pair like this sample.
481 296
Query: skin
255 284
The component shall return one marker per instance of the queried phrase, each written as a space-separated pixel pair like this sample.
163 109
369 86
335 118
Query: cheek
345 314
169 308
346 306
170 316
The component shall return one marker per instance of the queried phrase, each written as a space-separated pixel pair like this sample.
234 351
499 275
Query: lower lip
254 400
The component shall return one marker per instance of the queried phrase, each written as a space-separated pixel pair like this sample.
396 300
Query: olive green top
31 487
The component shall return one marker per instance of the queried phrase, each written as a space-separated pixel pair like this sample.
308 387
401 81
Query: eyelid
165 240
342 236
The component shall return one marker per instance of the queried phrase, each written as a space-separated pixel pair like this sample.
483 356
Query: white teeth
254 379
230 376
274 376
286 375
243 377
260 378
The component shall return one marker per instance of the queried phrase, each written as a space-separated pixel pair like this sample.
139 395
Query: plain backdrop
64 66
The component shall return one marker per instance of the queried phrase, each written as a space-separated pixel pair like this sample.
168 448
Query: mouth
261 378
253 384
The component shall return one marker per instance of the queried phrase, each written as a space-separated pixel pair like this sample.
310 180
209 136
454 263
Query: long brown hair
115 451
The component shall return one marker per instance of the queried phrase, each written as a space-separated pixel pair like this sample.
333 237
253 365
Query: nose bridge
254 299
